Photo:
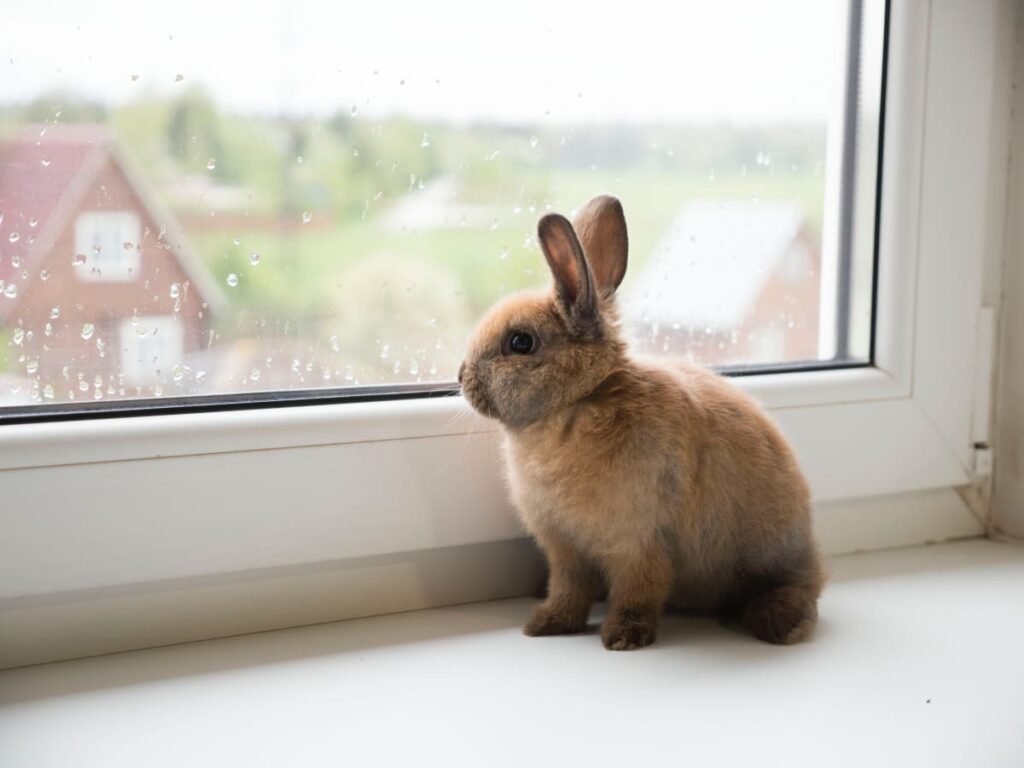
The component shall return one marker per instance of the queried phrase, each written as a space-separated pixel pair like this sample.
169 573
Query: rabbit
657 481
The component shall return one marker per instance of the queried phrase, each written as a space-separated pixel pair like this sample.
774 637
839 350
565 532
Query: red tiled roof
36 170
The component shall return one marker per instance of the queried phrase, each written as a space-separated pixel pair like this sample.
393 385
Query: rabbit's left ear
601 226
574 283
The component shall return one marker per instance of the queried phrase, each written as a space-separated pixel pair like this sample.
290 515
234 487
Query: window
277 494
338 214
106 246
152 348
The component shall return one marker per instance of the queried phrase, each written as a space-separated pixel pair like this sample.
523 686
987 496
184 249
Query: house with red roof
100 293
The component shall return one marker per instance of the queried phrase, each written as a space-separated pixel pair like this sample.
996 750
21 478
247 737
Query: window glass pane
199 201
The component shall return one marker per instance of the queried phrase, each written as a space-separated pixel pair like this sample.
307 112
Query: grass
301 270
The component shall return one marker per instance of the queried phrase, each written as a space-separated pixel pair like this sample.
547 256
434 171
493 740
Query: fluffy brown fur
659 481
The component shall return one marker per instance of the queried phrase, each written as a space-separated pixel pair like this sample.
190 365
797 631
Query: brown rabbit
658 480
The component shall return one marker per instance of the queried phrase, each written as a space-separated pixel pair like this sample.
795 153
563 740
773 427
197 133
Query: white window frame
123 265
120 501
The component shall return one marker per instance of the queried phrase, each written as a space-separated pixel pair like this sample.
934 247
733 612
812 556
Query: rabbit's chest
583 498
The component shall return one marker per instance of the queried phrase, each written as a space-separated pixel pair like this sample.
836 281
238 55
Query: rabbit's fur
656 480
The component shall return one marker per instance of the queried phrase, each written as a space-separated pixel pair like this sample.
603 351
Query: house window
152 350
348 229
106 246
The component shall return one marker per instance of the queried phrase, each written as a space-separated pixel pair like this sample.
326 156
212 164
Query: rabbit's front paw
551 621
629 630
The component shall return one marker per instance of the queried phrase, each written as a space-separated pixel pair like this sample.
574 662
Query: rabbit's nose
462 369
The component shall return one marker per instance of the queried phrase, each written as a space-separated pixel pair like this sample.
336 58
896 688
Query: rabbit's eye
520 343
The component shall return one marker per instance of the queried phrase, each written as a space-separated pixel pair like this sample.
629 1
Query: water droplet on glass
349 374
87 331
175 291
31 367
425 142
414 367
211 163
385 352
236 241
44 275
83 386
78 259
334 344
533 142
19 336
504 254
55 313
178 78
15 261
48 392
33 222
134 78
11 291
14 237
433 369
306 217
254 374
232 280
101 347
177 372
494 225
254 258
200 377
45 162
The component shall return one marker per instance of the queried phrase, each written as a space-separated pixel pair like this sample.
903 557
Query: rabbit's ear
574 283
601 226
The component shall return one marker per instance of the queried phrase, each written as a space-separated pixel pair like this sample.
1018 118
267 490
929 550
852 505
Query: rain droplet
55 313
31 367
254 374
83 385
334 344
200 377
134 78
175 291
306 217
33 222
178 78
349 374
414 367
232 280
504 254
211 163
425 142
19 336
533 142
178 372
254 258
11 291
385 352
78 260
48 392
44 275
87 331
14 237
101 347
45 162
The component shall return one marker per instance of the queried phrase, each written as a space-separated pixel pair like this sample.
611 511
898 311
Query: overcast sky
525 60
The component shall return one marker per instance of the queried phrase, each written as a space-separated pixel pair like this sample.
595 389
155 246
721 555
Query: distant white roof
712 263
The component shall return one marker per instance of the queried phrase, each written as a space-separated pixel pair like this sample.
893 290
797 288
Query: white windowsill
916 662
